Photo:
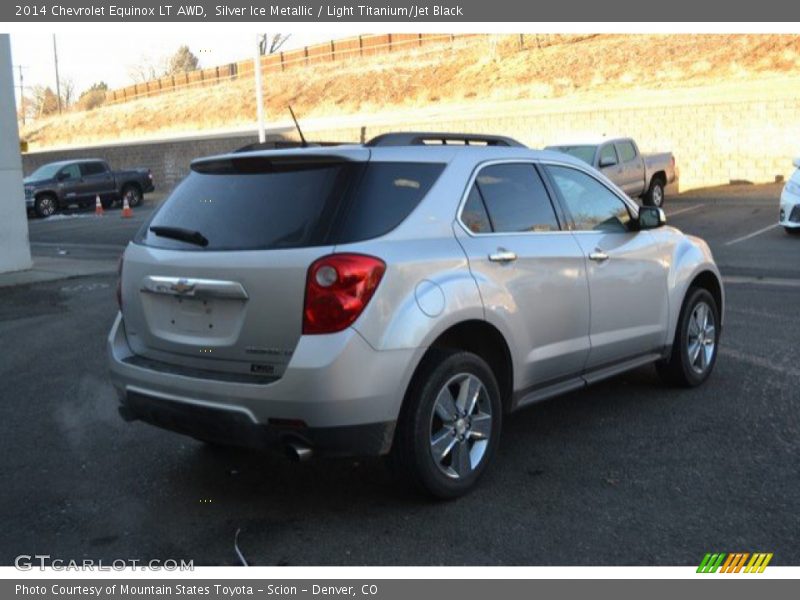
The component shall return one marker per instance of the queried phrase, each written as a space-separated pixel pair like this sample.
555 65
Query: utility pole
259 92
21 93
58 82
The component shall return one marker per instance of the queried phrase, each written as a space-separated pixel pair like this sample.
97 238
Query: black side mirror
651 217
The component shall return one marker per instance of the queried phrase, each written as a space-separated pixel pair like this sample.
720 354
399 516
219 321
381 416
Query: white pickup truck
640 175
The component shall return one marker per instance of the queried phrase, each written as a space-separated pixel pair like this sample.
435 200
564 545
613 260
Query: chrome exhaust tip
298 451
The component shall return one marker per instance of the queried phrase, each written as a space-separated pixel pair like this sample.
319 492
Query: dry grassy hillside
474 69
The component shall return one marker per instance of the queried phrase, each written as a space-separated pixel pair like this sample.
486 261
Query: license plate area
183 323
192 315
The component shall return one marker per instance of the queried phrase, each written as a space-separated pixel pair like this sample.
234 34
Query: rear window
584 153
626 151
258 204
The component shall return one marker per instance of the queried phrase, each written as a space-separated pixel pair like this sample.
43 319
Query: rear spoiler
285 145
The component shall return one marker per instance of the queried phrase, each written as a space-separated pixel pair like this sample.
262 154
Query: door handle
598 256
503 256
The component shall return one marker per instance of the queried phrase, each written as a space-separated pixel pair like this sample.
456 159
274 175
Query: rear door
529 271
609 164
97 180
627 269
632 168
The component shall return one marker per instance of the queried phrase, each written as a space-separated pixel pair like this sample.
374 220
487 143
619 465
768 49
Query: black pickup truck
59 184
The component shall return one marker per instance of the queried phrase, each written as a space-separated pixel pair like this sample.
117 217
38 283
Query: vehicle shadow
301 513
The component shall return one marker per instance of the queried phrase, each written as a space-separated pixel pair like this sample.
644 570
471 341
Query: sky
89 58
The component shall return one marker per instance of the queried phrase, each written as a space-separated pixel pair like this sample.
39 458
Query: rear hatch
216 279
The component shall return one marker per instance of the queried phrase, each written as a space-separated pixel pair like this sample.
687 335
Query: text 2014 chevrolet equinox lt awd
399 298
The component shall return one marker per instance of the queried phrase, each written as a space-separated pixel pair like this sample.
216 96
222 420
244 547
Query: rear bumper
231 427
338 394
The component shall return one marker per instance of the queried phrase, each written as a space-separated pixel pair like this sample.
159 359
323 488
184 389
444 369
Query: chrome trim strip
187 287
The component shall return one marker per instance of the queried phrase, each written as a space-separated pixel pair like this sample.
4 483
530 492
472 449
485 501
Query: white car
790 202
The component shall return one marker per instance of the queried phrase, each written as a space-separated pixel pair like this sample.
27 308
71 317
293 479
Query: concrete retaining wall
168 160
717 135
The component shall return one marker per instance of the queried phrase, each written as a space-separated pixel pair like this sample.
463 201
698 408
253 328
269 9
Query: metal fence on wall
327 52
335 50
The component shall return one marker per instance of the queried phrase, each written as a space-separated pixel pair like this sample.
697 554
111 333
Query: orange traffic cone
98 208
127 213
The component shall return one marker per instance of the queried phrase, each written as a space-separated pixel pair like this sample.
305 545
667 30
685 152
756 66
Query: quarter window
592 205
514 200
474 215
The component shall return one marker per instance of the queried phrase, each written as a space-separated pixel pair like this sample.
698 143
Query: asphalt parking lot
628 472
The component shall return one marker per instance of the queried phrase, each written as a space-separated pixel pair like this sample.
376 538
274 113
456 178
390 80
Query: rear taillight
338 288
119 283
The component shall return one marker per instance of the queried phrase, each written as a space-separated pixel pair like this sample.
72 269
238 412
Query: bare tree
271 45
24 110
67 91
45 101
146 69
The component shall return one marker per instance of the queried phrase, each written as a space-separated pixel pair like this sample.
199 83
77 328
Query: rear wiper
178 233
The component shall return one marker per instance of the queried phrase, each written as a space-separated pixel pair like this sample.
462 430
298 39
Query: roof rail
422 138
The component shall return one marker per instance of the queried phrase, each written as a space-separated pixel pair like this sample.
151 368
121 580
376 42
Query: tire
655 194
134 195
792 230
686 367
444 383
106 203
45 206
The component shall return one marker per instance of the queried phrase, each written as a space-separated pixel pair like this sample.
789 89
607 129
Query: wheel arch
46 192
660 176
709 281
483 339
131 183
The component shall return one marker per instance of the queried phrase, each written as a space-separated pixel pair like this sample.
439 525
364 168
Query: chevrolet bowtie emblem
182 286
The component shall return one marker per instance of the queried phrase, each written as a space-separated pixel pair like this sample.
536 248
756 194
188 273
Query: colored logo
735 562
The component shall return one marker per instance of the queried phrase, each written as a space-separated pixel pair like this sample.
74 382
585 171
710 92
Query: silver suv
399 297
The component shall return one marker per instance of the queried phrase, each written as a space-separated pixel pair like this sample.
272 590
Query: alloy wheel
701 338
460 425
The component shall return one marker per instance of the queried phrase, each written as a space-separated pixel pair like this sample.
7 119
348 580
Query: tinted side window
592 205
607 153
516 199
626 151
92 168
71 171
385 196
474 215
